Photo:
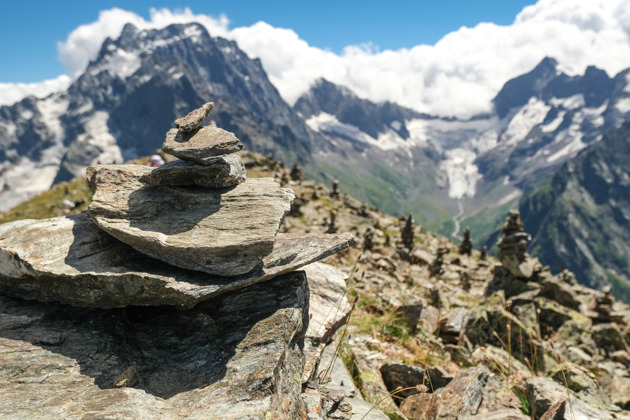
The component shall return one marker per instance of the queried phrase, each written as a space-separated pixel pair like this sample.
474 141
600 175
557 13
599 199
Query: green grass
50 203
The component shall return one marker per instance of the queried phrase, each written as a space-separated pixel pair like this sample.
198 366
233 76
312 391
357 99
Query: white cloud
11 93
459 75
84 43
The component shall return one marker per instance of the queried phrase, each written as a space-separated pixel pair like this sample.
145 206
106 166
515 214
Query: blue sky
30 30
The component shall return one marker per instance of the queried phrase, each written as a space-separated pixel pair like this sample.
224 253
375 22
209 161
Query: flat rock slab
224 232
195 118
226 171
226 358
70 260
201 145
328 310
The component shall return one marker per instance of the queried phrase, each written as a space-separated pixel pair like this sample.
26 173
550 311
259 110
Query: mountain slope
581 218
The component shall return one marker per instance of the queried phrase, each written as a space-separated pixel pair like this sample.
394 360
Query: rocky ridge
472 337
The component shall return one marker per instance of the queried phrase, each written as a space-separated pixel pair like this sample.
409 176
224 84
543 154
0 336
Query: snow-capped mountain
540 120
122 105
445 171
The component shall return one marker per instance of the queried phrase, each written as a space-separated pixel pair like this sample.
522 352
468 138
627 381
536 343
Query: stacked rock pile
512 248
194 235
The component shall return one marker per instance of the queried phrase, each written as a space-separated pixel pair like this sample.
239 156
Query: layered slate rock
219 231
226 358
195 118
201 145
70 260
226 171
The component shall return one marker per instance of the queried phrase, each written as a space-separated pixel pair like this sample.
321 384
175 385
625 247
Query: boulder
224 232
226 357
608 337
226 171
70 260
459 399
328 311
195 118
399 374
201 145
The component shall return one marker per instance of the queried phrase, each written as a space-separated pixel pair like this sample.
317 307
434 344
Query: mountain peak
516 92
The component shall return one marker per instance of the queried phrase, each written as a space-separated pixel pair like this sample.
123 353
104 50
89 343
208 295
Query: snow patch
97 134
623 104
511 196
27 178
328 123
123 64
396 125
524 121
461 171
553 125
417 132
572 102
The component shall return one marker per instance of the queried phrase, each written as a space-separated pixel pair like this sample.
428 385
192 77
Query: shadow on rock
169 351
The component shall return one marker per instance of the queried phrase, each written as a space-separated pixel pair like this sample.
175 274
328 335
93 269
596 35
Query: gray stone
226 171
195 118
504 414
459 399
399 374
454 321
555 412
201 145
332 372
328 310
70 260
226 358
221 232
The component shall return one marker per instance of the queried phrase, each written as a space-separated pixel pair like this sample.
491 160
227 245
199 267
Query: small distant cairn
436 267
296 173
465 248
604 306
465 280
407 234
368 238
484 253
332 225
335 189
513 245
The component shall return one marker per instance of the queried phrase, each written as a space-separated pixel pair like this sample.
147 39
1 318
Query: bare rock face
201 145
224 232
195 118
226 358
70 260
226 171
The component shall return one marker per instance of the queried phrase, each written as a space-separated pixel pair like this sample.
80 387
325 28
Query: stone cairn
465 248
195 234
512 248
407 235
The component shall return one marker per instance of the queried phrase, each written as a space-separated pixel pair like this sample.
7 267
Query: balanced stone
226 171
195 118
202 145
70 260
222 232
